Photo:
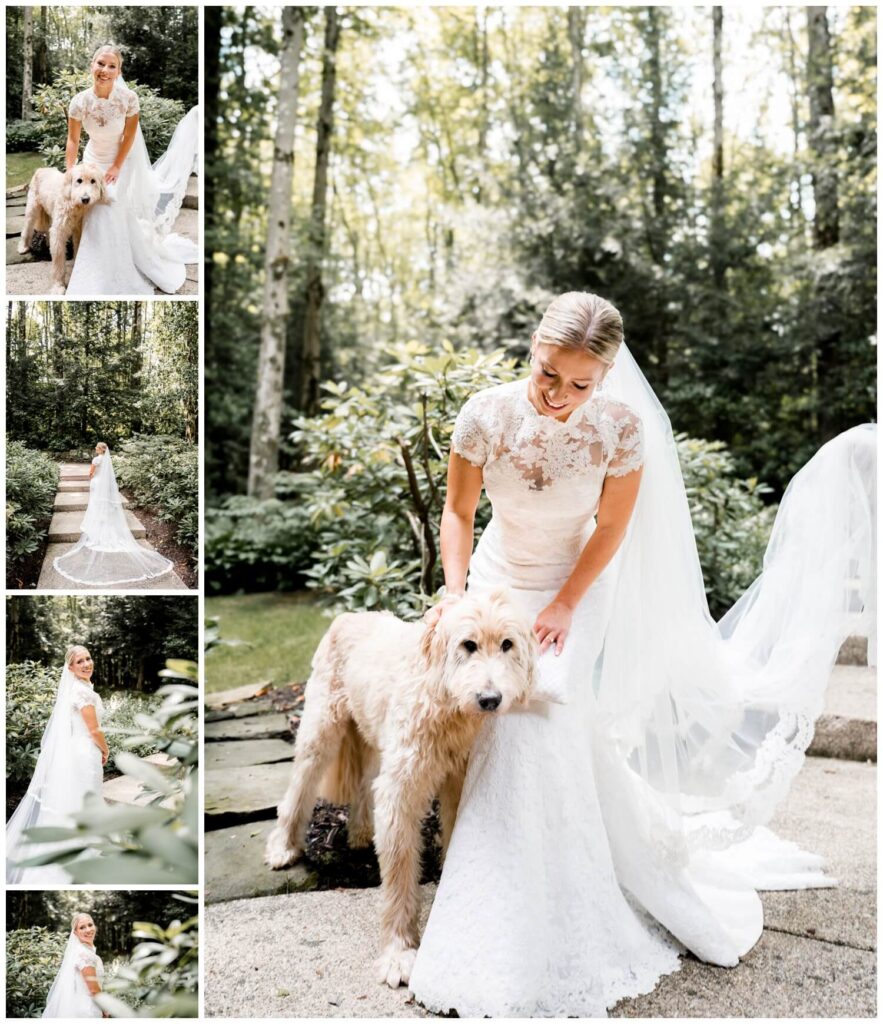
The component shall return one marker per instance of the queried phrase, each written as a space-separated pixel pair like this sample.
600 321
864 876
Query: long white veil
701 727
66 997
107 552
52 794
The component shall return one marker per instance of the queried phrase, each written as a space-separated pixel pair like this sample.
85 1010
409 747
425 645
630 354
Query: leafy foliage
155 841
33 956
31 483
163 471
30 697
22 136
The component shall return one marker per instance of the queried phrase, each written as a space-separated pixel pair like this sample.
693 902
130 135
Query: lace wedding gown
557 878
68 769
125 250
69 996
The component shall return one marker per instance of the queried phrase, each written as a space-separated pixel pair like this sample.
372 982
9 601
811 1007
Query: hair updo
102 447
72 652
75 920
108 48
580 320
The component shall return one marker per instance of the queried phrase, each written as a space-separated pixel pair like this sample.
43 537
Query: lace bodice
543 477
84 695
104 121
87 957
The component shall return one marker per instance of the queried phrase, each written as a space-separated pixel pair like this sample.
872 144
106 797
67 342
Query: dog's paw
57 289
22 248
394 966
279 853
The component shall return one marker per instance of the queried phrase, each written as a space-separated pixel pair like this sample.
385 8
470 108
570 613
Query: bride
107 552
618 822
127 247
73 751
80 976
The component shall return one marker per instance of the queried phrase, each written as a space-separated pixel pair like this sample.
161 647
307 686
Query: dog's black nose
490 700
85 200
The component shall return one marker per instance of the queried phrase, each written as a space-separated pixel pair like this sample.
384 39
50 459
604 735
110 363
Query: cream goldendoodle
57 204
392 709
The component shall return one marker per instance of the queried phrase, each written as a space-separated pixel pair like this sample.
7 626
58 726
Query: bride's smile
561 380
82 666
86 930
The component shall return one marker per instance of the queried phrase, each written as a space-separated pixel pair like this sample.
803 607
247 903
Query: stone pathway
64 532
311 956
126 790
27 275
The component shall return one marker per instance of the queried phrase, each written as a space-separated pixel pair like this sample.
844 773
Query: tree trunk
212 77
28 73
311 351
576 33
826 226
657 232
264 451
718 232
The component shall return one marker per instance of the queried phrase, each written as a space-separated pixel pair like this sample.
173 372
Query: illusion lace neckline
577 416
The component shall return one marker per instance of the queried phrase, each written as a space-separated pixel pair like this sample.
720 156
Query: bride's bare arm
91 979
90 717
126 142
457 528
72 147
615 509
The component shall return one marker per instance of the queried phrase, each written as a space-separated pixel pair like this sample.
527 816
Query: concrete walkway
64 532
27 275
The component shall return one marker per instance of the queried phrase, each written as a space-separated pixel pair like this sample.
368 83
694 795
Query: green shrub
33 956
158 116
31 483
22 136
163 471
30 697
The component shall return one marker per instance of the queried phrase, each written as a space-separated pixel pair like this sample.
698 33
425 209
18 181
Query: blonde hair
72 652
102 446
108 48
75 920
584 321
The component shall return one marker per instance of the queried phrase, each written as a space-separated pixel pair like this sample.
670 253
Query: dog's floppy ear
67 183
531 653
103 197
432 646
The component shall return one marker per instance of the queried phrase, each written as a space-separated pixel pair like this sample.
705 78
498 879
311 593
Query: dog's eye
506 645
470 646
79 181
93 181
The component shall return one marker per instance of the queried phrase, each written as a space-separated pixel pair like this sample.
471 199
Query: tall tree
28 70
264 450
315 292
822 140
718 235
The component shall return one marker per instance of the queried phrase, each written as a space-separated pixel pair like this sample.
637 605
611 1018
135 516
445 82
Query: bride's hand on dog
433 614
552 626
111 174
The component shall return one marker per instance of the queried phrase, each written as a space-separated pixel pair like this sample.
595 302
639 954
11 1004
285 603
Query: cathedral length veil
106 552
700 727
52 794
66 998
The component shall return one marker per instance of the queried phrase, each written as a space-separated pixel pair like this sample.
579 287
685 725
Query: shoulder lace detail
86 958
133 105
628 454
77 107
82 696
470 437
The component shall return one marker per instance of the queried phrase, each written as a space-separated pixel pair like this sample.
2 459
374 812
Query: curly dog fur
57 204
392 709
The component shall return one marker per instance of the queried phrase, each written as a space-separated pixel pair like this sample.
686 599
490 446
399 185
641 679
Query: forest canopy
710 170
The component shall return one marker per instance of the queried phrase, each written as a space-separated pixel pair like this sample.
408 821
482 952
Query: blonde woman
127 247
80 976
616 821
73 752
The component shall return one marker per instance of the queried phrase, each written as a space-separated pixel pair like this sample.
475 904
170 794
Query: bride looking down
127 247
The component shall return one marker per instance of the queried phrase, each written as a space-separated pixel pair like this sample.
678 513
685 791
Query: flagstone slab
65 527
254 727
250 793
77 501
235 868
234 754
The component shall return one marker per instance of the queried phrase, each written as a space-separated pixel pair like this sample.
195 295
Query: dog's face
84 185
483 652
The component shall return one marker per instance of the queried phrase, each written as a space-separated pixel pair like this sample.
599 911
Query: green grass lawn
283 630
20 167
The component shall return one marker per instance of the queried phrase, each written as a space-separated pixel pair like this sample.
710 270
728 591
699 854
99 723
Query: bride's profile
73 752
107 552
127 246
80 976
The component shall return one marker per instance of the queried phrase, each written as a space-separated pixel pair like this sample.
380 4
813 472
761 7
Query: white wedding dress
107 552
68 768
127 247
586 855
69 995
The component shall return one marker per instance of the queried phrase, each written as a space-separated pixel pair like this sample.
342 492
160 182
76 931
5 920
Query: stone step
126 790
52 580
65 527
191 196
854 651
848 726
247 794
74 486
77 501
74 470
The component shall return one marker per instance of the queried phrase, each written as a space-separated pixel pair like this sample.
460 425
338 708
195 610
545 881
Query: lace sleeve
629 453
83 696
75 110
85 959
132 105
469 439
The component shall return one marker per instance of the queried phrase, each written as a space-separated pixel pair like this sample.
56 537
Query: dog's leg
449 801
77 235
27 232
360 825
318 737
58 248
401 797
